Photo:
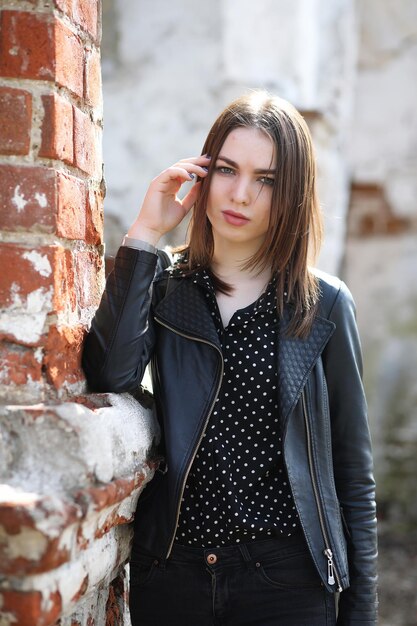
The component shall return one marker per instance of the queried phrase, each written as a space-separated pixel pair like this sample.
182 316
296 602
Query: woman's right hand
162 210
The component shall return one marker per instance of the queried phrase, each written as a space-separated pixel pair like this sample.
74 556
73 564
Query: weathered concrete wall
381 253
161 74
71 465
170 68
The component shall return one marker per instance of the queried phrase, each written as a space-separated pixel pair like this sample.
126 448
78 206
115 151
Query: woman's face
239 200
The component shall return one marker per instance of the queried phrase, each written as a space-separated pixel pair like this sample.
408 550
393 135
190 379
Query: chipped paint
49 521
29 544
7 619
17 496
87 284
98 524
41 199
100 561
47 603
25 319
39 261
38 354
19 199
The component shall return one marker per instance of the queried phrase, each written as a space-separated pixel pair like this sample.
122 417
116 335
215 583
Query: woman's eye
224 170
265 180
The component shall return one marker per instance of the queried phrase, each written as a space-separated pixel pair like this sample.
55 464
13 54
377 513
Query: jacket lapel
296 359
184 309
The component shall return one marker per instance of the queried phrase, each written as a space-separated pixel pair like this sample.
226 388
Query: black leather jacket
326 440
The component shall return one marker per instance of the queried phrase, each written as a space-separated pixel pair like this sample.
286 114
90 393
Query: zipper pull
330 568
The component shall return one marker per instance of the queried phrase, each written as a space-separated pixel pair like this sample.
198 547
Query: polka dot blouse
237 489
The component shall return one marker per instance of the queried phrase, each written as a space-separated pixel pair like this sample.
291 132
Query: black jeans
264 583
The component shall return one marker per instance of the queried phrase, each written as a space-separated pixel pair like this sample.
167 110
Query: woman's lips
236 219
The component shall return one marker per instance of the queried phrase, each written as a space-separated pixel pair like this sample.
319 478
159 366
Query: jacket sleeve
120 342
352 460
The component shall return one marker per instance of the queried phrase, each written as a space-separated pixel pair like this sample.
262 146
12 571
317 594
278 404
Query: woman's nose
241 191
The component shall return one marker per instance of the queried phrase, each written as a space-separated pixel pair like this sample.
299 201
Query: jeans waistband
250 551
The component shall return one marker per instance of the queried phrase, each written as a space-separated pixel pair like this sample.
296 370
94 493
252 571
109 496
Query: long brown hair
294 237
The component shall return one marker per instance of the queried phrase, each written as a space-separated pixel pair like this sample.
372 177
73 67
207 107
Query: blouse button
211 559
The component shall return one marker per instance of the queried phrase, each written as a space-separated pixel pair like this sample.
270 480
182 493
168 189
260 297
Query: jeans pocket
293 572
142 572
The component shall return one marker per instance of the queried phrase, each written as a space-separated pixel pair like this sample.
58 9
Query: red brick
116 601
15 120
87 16
40 46
57 129
20 278
63 355
69 53
65 6
53 556
92 78
94 218
64 280
71 214
18 365
16 269
27 198
22 513
40 199
105 496
86 144
15 516
88 267
29 607
85 13
27 46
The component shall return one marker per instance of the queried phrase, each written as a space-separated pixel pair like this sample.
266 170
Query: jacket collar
184 309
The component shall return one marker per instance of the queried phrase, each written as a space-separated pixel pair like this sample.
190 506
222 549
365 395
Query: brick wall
71 465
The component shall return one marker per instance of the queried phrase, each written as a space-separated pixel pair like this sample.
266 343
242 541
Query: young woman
263 510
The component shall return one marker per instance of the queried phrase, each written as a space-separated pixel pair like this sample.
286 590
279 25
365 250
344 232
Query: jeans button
211 559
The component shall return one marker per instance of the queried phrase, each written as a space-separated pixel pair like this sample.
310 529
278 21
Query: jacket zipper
204 427
332 574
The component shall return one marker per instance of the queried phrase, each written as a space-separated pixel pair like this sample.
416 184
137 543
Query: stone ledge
62 448
70 477
40 533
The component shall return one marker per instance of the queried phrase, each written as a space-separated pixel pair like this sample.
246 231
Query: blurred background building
350 68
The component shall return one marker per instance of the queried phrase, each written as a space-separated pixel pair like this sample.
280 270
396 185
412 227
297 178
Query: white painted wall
384 136
160 93
381 270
